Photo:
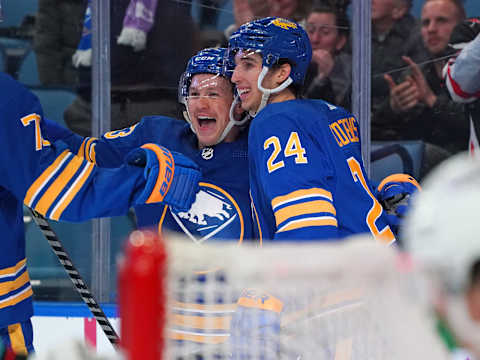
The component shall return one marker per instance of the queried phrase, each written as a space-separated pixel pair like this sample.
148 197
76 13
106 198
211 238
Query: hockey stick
76 278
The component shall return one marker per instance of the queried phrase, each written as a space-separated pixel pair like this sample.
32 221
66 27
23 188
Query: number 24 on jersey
293 147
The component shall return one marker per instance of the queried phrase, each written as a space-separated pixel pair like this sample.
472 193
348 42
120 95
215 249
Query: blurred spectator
394 34
58 29
331 70
422 108
296 10
209 11
144 81
245 11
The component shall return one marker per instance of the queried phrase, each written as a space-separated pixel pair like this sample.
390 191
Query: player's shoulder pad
12 88
162 123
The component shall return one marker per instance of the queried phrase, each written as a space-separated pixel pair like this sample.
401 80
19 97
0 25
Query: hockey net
342 301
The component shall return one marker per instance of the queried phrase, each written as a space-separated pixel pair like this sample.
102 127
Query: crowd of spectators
408 98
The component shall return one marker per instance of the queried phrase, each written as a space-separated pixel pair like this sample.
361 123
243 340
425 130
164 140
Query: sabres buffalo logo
214 215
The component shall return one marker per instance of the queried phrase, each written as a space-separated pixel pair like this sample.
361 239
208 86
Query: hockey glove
171 177
394 194
255 326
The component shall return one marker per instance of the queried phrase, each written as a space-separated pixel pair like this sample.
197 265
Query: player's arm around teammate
62 186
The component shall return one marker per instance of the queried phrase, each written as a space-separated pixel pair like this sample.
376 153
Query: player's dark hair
297 89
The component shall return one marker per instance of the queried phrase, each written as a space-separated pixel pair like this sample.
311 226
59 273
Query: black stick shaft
74 275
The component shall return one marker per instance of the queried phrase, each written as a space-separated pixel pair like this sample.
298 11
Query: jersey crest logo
213 212
207 153
284 24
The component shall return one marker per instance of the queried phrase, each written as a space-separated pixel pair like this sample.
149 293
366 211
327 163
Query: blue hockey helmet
206 61
276 39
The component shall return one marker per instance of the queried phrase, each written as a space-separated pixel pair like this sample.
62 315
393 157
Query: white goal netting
346 300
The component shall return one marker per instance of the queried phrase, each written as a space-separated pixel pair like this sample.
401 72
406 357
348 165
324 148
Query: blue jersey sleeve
292 177
110 149
47 176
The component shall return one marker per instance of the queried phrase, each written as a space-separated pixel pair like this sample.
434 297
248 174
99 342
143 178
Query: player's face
248 66
209 100
323 33
439 17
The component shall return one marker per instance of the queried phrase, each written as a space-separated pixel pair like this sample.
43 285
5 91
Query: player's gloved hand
171 177
255 326
394 193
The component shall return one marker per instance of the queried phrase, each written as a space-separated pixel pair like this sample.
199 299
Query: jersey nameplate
345 131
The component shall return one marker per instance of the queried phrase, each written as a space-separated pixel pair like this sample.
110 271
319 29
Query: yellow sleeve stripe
58 185
81 150
9 286
201 322
72 192
88 148
13 270
92 154
47 174
313 221
311 207
15 299
301 194
195 337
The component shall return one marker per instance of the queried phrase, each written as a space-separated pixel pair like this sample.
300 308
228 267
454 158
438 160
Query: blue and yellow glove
394 194
171 177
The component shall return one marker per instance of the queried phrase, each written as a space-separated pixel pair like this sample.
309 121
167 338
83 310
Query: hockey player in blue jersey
53 181
307 178
212 138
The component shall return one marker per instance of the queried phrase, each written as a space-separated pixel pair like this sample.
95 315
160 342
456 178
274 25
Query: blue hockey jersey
307 177
51 180
222 207
221 210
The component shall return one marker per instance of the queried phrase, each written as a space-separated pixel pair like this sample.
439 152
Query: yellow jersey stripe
47 174
49 197
88 149
256 220
15 299
315 221
72 192
310 207
81 150
301 194
17 339
202 322
195 337
9 286
91 154
13 270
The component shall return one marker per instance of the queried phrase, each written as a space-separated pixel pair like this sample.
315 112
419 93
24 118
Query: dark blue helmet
275 38
207 61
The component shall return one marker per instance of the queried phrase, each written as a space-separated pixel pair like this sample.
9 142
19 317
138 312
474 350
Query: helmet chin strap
267 92
231 123
186 115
